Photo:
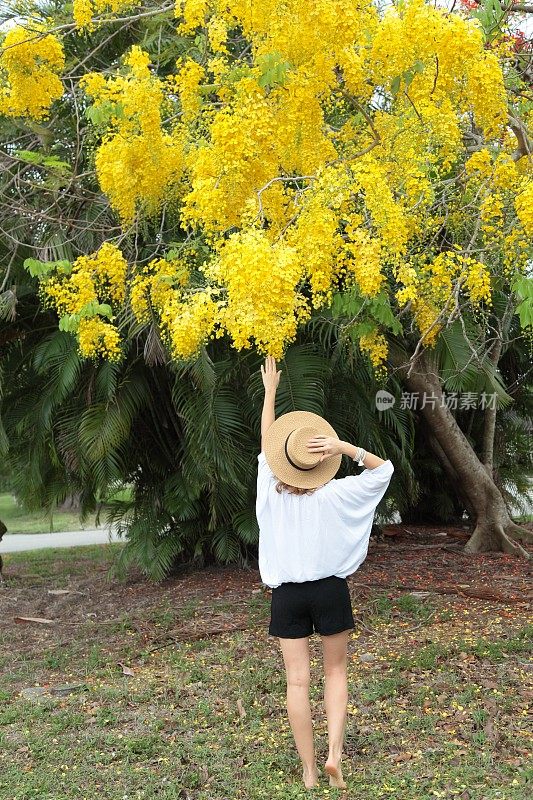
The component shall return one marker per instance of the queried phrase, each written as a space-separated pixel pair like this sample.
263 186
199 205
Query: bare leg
335 650
297 668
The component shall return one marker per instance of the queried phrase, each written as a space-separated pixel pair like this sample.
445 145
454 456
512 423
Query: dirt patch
98 609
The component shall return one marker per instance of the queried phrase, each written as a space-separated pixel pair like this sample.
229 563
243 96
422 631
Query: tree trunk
72 502
450 472
489 426
494 529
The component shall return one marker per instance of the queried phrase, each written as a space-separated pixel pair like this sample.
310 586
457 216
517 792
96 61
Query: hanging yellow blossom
187 325
138 164
374 344
93 287
98 338
30 63
524 206
477 282
365 261
426 315
491 211
187 84
84 11
160 282
304 147
261 298
479 162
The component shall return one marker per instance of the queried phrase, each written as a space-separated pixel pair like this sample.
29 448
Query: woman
313 532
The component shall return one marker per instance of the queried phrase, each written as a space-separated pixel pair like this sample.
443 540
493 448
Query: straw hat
285 448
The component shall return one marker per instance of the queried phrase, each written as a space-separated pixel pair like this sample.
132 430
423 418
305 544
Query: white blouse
311 536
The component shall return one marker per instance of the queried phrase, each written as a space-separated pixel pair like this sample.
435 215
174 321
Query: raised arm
329 446
370 460
270 381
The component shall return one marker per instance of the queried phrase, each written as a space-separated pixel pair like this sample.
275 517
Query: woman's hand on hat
327 445
269 374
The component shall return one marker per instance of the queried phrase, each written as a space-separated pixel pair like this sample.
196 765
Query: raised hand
327 445
269 374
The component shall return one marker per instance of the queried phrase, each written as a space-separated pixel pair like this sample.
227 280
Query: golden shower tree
313 156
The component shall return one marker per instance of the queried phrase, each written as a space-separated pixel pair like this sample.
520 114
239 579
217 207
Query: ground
177 691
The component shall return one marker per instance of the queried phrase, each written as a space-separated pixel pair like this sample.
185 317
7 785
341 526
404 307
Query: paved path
15 542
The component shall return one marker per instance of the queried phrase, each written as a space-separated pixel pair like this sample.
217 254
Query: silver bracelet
360 455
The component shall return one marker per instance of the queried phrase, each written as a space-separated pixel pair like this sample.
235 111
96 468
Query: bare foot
333 768
310 778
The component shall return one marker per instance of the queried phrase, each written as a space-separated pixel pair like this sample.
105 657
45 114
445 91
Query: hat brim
274 449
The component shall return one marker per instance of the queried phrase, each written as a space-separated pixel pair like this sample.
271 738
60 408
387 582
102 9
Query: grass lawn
19 521
439 689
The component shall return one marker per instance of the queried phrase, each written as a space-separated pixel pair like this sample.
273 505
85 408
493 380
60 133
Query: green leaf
525 312
360 329
101 114
55 164
395 84
347 303
52 163
105 310
273 70
38 269
523 286
381 310
30 156
408 78
69 323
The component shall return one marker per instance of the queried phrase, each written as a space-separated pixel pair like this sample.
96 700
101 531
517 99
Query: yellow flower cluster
439 274
491 211
480 162
407 276
187 325
260 298
375 345
235 165
187 83
217 33
193 13
30 60
506 175
487 95
98 338
332 150
516 251
504 194
436 67
365 260
388 216
100 279
317 246
524 205
477 282
138 163
84 11
430 288
101 276
70 296
416 289
159 283
426 313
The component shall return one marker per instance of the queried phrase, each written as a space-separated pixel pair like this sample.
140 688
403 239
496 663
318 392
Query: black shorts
297 607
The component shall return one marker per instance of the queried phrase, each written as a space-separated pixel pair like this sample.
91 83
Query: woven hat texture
285 448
